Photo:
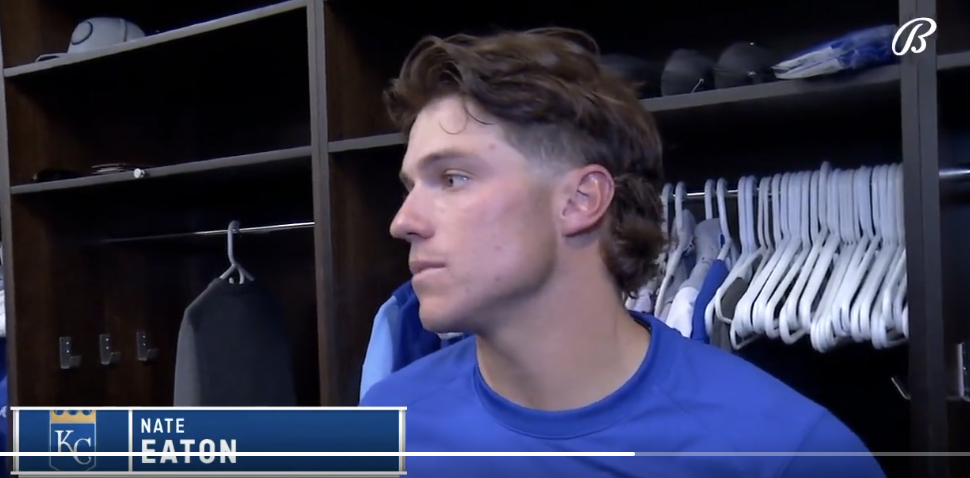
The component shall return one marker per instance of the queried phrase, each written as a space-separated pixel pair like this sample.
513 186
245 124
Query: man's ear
587 193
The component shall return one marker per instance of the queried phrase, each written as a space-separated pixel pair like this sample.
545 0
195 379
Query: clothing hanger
890 328
881 334
902 321
786 320
823 335
788 214
709 199
665 199
743 314
820 229
895 327
863 254
681 241
645 294
234 266
766 313
814 293
746 233
860 315
822 266
728 252
648 289
756 261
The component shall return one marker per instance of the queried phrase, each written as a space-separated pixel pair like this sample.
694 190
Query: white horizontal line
497 454
335 454
234 474
206 409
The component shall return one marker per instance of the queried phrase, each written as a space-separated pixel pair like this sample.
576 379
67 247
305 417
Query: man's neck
566 349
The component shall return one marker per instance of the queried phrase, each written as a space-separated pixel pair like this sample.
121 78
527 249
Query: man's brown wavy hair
553 99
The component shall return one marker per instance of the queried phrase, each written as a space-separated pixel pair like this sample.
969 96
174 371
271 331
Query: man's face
479 216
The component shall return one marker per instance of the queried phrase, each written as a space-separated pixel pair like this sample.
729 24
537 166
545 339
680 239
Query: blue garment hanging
715 277
413 341
398 338
4 400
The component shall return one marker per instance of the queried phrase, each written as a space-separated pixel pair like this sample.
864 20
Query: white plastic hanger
740 324
807 302
767 306
863 254
788 216
867 307
682 242
789 327
885 333
665 199
645 300
234 266
900 307
744 321
888 328
728 253
860 315
824 335
709 199
742 268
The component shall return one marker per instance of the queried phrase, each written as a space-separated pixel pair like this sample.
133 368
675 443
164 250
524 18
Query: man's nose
411 222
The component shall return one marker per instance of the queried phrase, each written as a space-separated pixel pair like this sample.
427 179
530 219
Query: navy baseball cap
744 63
687 71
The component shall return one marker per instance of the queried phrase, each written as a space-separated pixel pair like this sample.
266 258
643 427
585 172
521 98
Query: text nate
167 426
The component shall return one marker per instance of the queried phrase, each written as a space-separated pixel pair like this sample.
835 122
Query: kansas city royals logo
73 431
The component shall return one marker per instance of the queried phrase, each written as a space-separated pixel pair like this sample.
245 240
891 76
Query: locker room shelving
215 107
270 112
153 41
258 163
857 90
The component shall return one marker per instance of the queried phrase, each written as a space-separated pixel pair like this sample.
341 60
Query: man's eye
452 180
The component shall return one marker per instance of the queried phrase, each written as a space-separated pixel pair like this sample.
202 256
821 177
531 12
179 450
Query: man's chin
439 321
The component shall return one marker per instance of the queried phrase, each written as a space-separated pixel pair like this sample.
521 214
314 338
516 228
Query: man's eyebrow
429 160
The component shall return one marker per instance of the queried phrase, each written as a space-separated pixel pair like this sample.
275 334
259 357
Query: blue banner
173 430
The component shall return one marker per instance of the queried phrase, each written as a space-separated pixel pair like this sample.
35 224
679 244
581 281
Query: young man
533 183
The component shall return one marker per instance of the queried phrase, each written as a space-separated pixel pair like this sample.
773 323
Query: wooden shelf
953 61
157 39
367 142
275 158
742 101
777 92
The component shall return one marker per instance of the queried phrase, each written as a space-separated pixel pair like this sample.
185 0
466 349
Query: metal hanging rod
946 175
214 232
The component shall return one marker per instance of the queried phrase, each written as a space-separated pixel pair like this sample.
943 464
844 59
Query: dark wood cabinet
270 113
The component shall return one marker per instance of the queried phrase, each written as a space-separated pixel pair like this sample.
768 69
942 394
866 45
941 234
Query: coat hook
143 344
109 356
66 355
961 380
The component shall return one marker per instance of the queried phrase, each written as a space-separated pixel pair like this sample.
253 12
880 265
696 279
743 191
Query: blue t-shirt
686 397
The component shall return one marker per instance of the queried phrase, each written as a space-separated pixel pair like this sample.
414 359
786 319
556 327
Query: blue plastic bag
857 50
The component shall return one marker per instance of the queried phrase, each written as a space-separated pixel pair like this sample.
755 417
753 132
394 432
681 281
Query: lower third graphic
73 431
